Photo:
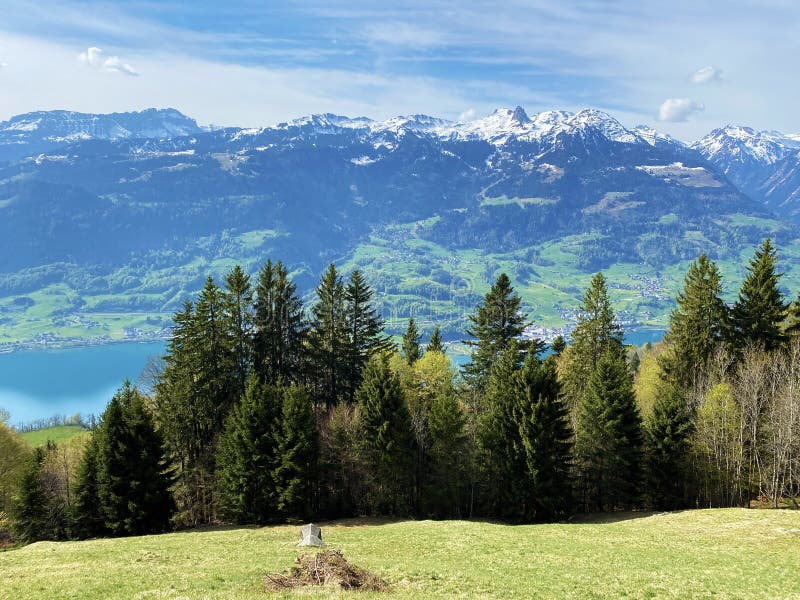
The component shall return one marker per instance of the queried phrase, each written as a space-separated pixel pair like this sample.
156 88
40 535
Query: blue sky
683 67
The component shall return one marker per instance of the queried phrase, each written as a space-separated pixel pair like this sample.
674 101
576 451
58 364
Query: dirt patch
326 568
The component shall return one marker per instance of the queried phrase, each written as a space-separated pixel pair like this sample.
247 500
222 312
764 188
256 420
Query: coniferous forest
266 410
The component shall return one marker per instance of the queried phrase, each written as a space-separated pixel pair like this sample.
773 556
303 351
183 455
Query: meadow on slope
728 553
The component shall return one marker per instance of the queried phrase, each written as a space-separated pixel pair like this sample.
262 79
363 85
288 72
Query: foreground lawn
733 553
58 434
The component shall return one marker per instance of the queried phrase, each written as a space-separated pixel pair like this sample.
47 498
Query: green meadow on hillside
58 434
731 553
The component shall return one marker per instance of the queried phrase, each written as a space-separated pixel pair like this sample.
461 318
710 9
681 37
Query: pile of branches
328 567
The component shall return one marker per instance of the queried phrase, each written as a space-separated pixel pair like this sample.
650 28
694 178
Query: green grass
58 434
733 553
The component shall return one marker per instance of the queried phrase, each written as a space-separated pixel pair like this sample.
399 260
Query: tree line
269 411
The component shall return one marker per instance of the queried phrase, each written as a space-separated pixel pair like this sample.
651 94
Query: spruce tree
365 335
386 440
595 334
500 460
435 343
411 348
29 510
239 297
132 483
496 322
546 441
608 441
87 514
793 326
667 439
697 324
297 454
280 327
328 340
558 345
759 312
247 456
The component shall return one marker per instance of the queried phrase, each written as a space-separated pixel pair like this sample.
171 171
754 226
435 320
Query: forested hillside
109 222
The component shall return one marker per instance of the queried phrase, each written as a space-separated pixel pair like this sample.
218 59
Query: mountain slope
120 219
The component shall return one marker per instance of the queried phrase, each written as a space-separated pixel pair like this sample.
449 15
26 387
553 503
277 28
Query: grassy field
58 434
733 553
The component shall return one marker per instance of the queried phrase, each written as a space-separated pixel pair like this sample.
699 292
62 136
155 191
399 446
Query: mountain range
108 222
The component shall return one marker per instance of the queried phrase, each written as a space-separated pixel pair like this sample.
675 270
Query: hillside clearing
58 434
731 553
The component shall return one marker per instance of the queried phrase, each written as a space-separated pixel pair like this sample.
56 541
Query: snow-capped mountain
27 134
760 163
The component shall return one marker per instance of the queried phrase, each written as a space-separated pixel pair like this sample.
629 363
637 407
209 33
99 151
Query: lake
38 385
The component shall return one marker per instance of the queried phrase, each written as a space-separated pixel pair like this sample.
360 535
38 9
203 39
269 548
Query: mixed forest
265 410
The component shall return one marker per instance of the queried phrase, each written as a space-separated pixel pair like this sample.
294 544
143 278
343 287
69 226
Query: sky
683 67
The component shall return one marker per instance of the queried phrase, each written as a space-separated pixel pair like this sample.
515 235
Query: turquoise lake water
35 385
38 385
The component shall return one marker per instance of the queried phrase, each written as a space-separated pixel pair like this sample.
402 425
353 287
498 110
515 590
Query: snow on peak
655 137
505 124
745 143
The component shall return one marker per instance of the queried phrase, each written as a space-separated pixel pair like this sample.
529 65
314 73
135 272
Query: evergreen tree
365 335
239 298
435 343
543 423
759 312
667 436
608 441
87 514
500 461
793 327
247 456
280 327
29 511
328 339
558 345
447 450
494 325
697 324
297 454
411 347
595 334
131 478
386 439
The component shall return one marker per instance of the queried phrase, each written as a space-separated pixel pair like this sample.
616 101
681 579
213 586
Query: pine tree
411 347
328 339
87 514
667 438
595 334
132 482
247 456
29 511
759 312
543 422
280 327
500 461
494 325
297 454
364 331
447 450
239 298
608 441
558 345
435 343
793 325
697 324
386 439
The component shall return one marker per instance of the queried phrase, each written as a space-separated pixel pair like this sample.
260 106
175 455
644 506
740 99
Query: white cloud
467 115
3 65
94 57
675 110
708 74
